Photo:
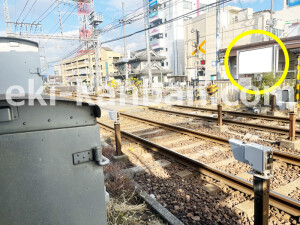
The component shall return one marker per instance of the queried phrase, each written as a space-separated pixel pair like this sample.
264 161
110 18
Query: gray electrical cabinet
51 164
20 66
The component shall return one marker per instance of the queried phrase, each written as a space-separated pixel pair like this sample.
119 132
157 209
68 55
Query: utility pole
218 41
124 33
124 30
271 17
148 45
60 23
95 20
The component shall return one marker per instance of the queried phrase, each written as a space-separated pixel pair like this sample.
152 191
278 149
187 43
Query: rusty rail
228 121
252 115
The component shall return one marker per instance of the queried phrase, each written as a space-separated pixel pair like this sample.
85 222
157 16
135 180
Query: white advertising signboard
256 61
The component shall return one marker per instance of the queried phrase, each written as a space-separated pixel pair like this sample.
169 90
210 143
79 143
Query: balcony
156 31
157 43
155 16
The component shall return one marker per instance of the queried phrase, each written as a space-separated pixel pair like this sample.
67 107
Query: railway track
277 200
286 157
242 114
227 121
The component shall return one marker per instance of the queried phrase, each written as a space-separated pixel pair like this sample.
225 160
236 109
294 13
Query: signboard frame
274 60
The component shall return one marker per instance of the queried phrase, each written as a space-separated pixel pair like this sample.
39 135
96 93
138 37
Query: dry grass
122 212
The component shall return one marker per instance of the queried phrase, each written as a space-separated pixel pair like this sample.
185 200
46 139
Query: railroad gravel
187 200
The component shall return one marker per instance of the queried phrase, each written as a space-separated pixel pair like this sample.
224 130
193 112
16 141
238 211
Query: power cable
22 11
58 27
29 11
45 11
169 21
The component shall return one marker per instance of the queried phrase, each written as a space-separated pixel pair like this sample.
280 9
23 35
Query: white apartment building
168 39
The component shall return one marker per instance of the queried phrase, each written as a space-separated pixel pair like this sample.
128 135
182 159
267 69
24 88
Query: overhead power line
136 17
45 11
29 11
22 11
171 20
166 22
58 26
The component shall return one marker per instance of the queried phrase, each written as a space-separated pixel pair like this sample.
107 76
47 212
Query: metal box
20 65
49 165
259 157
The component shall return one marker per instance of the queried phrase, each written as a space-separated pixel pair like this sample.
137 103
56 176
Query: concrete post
220 122
273 103
292 132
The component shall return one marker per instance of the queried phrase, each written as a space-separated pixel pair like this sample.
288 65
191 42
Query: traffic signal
200 73
202 62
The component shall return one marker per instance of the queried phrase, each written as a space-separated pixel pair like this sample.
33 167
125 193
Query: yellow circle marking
286 56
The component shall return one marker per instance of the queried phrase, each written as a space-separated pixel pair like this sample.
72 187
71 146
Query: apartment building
168 39
234 21
80 70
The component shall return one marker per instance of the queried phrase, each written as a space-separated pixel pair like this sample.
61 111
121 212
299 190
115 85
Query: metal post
60 23
292 132
297 81
196 65
273 103
117 126
261 188
196 55
97 65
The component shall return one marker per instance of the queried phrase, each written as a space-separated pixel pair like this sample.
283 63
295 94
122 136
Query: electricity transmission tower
88 32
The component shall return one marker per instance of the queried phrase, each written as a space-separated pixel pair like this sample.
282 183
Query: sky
112 12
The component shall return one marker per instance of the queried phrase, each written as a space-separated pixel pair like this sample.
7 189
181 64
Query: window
167 63
165 5
166 49
162 64
166 35
187 5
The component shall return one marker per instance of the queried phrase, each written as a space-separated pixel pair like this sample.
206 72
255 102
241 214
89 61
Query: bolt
24 123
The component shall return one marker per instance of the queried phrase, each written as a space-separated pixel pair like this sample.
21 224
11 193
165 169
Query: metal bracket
82 157
91 155
8 114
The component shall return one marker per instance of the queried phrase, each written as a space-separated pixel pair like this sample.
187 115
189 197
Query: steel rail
263 127
286 157
252 115
277 200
